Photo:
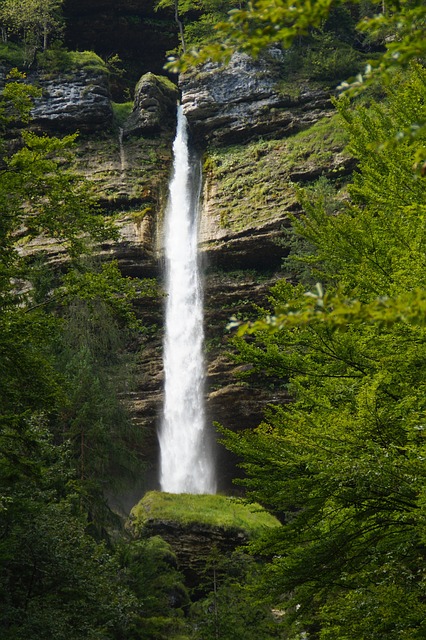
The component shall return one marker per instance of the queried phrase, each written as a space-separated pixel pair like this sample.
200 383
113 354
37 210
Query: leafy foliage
151 572
231 608
342 465
33 21
62 427
196 18
258 24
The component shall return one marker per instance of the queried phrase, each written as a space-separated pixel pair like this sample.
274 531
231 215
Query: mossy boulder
196 526
154 107
216 511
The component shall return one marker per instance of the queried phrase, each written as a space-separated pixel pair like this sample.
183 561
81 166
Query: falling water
186 461
122 152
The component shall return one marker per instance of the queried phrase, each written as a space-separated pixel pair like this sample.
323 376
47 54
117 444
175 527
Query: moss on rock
208 510
249 185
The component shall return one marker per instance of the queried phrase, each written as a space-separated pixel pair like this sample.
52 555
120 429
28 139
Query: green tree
33 21
150 572
196 19
95 356
56 581
399 26
342 464
38 196
231 608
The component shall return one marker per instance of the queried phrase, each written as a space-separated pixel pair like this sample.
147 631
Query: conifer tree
342 464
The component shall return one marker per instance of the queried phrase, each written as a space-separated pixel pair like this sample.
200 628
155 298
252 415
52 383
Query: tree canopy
342 465
398 28
34 22
62 427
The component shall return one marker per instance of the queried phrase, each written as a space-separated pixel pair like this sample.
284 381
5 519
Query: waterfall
186 459
122 152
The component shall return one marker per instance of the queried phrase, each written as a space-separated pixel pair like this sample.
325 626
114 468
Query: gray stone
80 100
227 105
154 107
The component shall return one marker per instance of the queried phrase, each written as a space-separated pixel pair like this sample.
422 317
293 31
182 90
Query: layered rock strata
77 101
239 102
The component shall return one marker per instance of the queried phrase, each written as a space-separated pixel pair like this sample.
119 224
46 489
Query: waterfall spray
186 460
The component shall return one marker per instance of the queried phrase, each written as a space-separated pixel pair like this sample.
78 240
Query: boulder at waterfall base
193 525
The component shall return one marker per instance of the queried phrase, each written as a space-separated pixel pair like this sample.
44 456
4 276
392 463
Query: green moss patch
122 111
251 184
58 60
162 81
211 510
324 137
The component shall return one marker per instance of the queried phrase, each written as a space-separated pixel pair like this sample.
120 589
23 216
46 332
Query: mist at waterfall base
186 463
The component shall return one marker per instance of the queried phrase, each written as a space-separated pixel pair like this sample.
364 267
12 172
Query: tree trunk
180 26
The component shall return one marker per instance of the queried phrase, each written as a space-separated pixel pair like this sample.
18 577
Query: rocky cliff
245 100
77 101
258 142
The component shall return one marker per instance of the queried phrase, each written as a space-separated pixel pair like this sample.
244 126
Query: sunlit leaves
342 463
266 22
108 286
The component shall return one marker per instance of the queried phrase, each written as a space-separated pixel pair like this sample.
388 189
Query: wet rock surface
238 102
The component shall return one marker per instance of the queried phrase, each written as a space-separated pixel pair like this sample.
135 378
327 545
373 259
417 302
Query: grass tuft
211 510
122 111
59 60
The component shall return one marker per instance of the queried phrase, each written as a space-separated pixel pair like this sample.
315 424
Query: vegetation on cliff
210 510
248 180
64 435
34 22
397 29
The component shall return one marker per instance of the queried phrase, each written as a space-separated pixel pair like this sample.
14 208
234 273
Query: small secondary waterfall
186 460
122 152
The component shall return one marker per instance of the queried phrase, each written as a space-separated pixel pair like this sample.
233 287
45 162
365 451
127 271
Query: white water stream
122 151
186 460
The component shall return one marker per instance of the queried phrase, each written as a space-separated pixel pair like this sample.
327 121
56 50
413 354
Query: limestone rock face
227 105
248 194
78 101
232 399
154 106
